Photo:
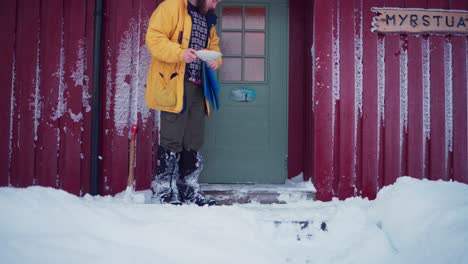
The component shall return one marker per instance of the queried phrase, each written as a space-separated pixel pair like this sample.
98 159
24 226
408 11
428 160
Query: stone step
228 194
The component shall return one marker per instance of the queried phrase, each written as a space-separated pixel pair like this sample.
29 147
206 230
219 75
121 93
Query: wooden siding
46 117
385 105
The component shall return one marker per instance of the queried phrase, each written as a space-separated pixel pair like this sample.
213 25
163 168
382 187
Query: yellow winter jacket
168 36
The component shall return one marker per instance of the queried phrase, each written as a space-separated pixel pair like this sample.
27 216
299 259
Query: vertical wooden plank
107 96
8 28
296 114
69 157
416 139
51 92
143 173
358 29
26 101
308 143
88 87
438 155
120 42
460 97
392 118
323 100
370 121
348 109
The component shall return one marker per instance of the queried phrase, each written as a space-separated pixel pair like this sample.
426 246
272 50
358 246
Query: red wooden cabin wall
46 111
362 108
385 106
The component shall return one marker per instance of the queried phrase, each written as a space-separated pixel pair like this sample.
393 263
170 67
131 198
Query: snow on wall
81 79
358 80
335 70
122 82
403 91
358 73
37 96
132 63
380 89
61 104
426 79
108 80
143 66
448 96
12 111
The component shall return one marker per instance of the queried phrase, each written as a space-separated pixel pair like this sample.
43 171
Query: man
176 30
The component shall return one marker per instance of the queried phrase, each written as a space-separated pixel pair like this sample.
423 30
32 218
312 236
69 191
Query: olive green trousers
185 130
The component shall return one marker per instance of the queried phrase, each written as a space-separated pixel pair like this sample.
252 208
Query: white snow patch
75 117
37 105
61 104
381 80
335 72
448 68
358 79
426 79
122 83
380 89
12 112
403 91
405 224
358 66
108 80
132 64
79 76
143 66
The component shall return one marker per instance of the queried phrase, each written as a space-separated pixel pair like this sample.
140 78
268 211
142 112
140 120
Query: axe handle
131 171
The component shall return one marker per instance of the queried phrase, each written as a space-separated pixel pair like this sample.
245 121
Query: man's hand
213 64
189 55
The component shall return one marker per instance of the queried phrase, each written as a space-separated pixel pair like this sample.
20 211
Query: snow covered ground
412 221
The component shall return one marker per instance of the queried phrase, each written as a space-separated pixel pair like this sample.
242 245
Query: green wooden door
246 141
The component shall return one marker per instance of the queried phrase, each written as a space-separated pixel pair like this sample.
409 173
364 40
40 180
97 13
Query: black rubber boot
191 165
167 172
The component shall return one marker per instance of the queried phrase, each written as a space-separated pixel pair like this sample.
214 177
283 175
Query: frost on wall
61 104
358 73
335 71
132 63
358 80
403 90
426 79
122 83
380 90
37 96
448 95
12 110
108 79
80 78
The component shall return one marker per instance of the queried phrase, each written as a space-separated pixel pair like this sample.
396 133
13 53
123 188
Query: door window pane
231 69
255 18
231 43
254 43
254 69
232 17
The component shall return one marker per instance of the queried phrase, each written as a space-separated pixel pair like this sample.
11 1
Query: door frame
300 113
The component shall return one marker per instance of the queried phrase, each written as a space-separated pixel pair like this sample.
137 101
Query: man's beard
203 8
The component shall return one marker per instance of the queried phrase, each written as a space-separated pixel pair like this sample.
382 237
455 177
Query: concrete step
228 194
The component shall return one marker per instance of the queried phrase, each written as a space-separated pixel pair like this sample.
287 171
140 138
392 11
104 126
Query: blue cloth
210 87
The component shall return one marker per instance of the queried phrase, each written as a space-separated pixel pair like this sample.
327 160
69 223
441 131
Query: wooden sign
420 21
